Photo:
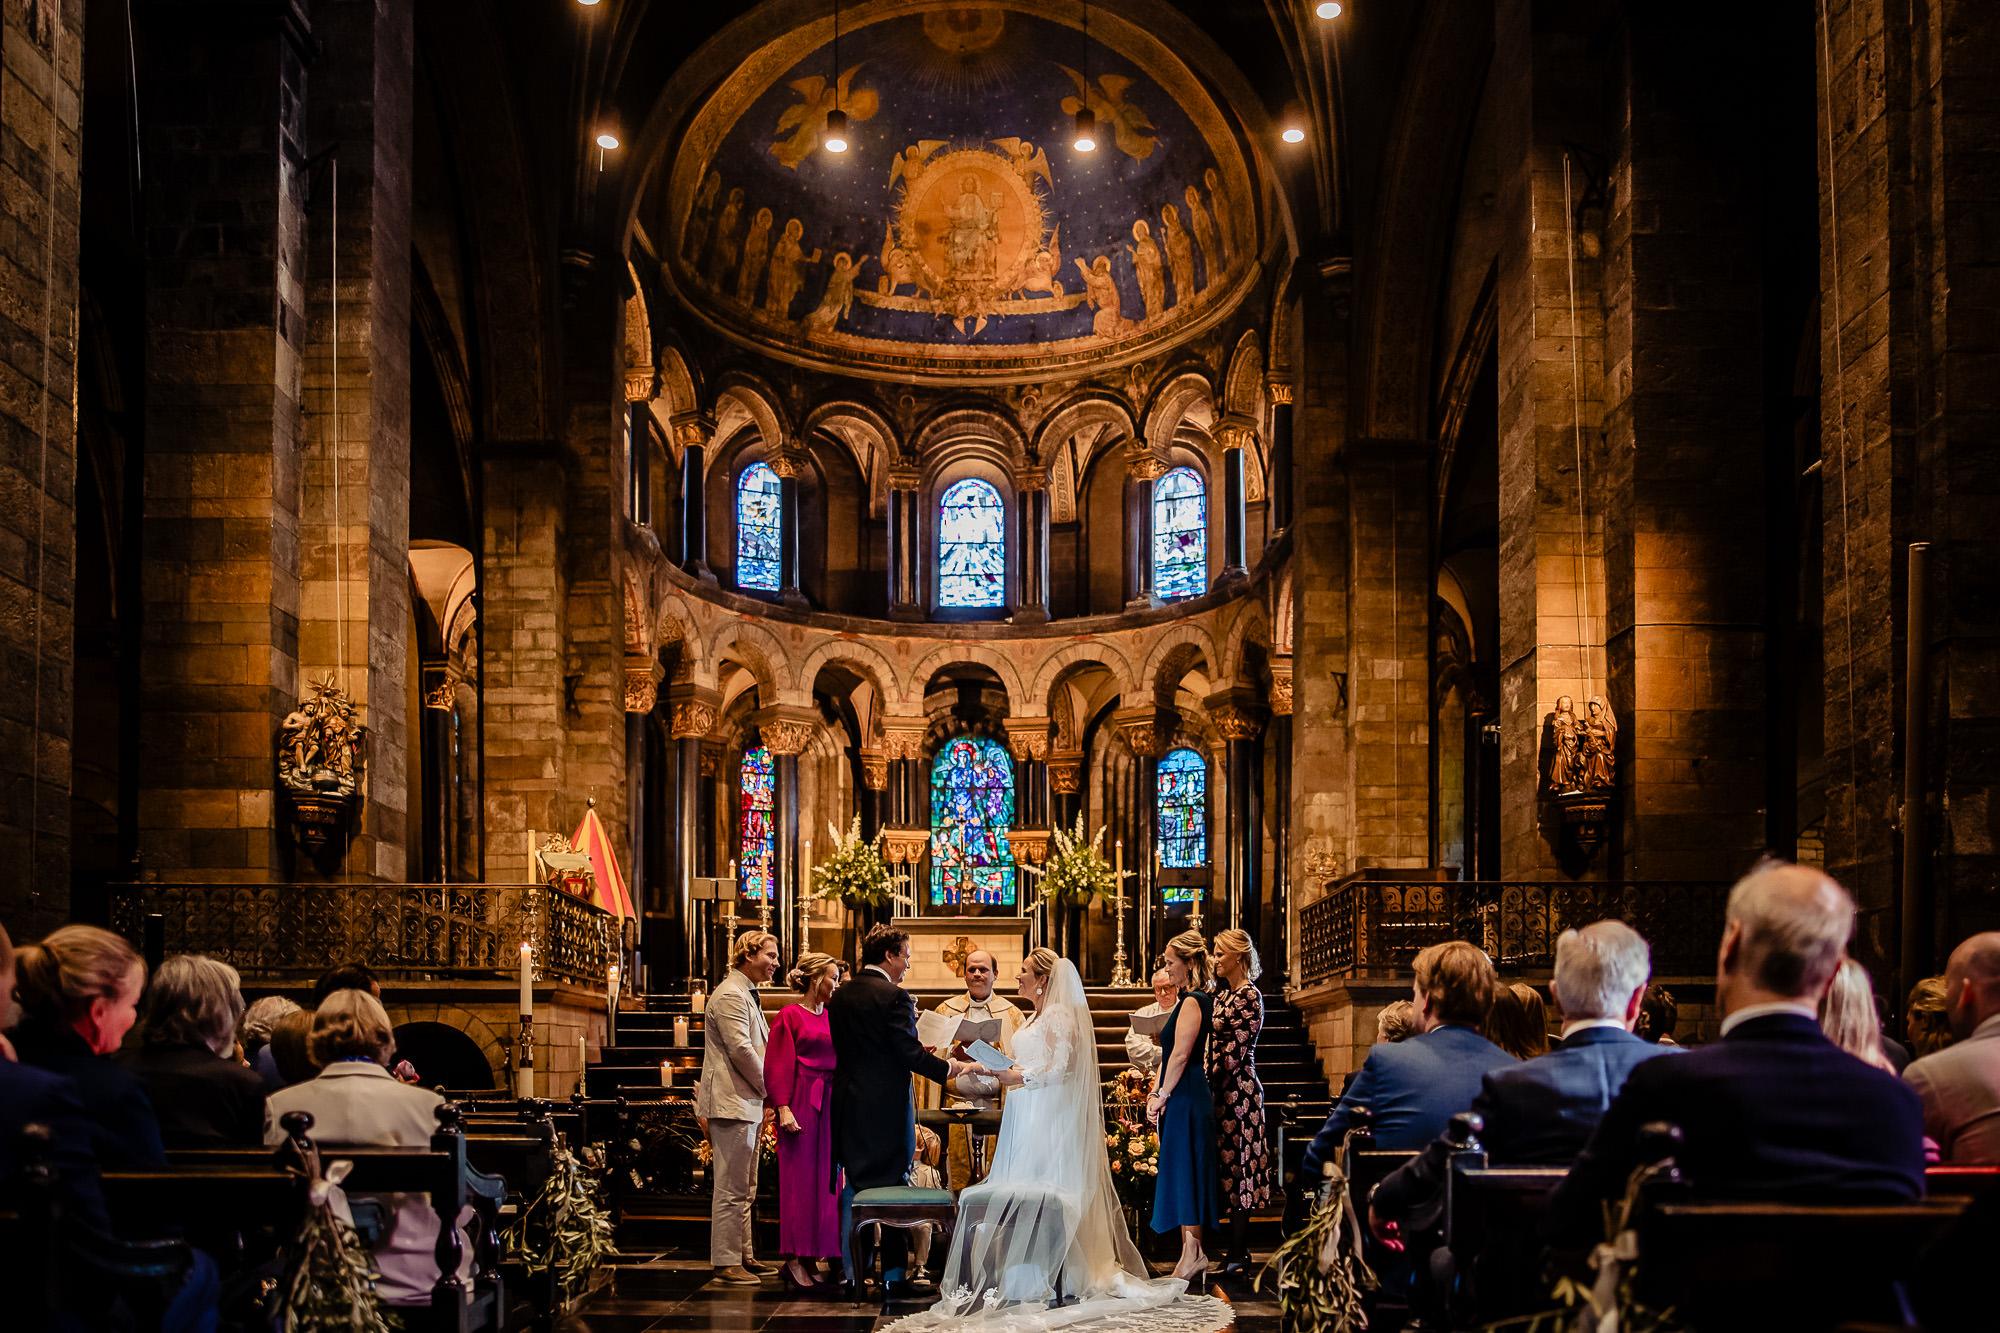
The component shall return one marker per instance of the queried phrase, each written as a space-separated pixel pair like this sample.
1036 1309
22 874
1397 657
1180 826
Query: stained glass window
1180 535
972 546
756 854
757 528
972 807
1183 815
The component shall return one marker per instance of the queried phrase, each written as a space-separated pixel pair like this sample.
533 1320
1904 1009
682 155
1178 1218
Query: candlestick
680 1031
805 898
582 1056
524 1061
1121 975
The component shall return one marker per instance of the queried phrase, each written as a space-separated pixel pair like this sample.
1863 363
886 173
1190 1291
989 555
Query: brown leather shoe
760 1268
737 1276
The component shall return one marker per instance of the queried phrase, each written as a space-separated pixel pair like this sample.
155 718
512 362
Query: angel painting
909 163
899 266
1027 160
799 125
1132 130
1039 273
1598 743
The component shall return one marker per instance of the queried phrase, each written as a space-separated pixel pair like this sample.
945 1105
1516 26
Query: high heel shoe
1192 1275
810 1286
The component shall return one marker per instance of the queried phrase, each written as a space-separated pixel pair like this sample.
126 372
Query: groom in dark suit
874 1025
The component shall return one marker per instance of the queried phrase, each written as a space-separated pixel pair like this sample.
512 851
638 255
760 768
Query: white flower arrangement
1077 874
855 872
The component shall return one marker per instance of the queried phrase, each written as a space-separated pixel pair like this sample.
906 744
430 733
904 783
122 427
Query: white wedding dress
1041 1243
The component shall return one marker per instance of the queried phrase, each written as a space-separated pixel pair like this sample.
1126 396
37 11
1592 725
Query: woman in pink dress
798 1081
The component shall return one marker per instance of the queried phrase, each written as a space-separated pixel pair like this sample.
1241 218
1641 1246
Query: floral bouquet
1077 873
1130 1142
855 872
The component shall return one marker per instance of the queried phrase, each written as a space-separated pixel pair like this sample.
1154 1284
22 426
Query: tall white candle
527 977
700 998
666 1074
680 1031
582 1057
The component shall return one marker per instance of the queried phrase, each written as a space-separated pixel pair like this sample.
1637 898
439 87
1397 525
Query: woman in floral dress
1244 1148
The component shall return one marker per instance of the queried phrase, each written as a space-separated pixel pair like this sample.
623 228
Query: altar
938 945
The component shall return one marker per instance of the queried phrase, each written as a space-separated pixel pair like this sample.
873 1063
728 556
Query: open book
1151 1025
937 1031
990 1056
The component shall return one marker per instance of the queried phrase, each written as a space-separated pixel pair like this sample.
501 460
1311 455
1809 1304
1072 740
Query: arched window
757 522
1180 535
756 848
1183 817
972 807
972 546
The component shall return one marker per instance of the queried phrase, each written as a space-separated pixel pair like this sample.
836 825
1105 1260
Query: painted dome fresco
961 235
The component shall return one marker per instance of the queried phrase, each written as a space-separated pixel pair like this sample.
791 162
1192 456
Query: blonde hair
1042 960
1239 941
1518 1023
1924 1018
1192 949
351 1023
1396 1022
805 974
57 979
1847 1016
1458 981
748 943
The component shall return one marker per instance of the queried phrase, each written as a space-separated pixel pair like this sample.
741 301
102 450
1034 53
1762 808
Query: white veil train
1041 1243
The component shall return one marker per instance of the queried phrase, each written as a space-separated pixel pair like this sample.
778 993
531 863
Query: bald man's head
979 975
1788 928
1972 983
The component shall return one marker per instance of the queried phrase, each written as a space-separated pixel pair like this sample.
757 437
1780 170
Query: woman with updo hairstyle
798 1083
79 995
1187 1193
1241 1144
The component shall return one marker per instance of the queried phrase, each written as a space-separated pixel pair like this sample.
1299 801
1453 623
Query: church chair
902 1208
1488 1266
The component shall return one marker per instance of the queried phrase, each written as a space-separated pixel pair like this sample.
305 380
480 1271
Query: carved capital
903 737
1029 844
788 466
1141 463
875 770
1279 392
692 428
905 476
904 846
786 730
691 711
1234 437
1065 774
1281 688
640 383
1032 479
439 683
642 683
1235 723
1028 738
1147 731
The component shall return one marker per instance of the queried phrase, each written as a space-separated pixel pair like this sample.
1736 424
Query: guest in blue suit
1543 1110
1415 1087
1773 1111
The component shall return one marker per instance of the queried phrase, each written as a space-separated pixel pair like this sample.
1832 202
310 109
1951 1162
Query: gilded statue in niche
1131 129
319 748
1600 737
799 124
1566 759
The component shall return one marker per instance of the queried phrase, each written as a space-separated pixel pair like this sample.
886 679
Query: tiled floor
676 1292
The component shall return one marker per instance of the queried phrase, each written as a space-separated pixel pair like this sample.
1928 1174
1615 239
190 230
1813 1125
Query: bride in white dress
1041 1243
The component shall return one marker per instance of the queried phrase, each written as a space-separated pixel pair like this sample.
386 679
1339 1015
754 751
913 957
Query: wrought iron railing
294 932
1371 926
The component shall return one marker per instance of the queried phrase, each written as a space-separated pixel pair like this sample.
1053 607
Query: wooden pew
1959 1182
1489 1265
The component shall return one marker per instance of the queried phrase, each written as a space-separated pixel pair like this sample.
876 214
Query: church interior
528 503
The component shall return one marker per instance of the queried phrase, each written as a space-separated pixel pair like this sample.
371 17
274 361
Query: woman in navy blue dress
1188 1192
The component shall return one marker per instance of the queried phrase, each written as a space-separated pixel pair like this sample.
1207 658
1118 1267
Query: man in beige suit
731 1100
1960 1085
979 1090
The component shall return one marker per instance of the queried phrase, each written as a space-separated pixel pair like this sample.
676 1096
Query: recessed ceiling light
1328 9
1293 134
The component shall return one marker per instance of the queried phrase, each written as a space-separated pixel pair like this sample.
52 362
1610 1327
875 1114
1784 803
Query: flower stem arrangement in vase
1077 874
855 872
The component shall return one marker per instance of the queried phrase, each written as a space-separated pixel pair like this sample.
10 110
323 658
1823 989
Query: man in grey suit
1960 1085
731 1099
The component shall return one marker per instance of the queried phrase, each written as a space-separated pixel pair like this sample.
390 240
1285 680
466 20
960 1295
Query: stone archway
444 1057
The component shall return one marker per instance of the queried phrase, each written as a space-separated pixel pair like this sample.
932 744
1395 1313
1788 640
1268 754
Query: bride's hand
1010 1078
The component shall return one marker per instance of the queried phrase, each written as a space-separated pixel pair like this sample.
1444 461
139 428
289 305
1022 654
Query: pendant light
836 119
1086 119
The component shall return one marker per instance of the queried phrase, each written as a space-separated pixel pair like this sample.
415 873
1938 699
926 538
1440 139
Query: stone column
1142 469
1235 437
791 592
906 597
225 334
1028 740
438 683
1279 392
1148 733
673 930
874 790
786 733
1238 718
692 432
1032 491
1278 929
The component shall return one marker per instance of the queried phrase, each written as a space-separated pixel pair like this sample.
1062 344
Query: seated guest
1519 1023
1773 1110
1396 1022
1657 1016
291 1049
348 976
1960 1085
185 1055
253 1035
1925 1026
1543 1110
1143 1050
79 995
356 1103
1415 1087
1847 1016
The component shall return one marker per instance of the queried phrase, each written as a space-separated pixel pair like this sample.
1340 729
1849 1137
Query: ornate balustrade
1364 926
294 932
